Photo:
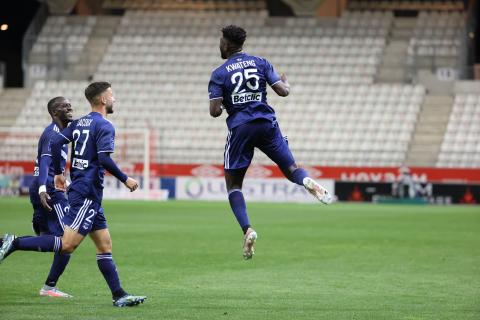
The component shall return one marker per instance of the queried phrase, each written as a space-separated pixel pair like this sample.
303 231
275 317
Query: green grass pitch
344 261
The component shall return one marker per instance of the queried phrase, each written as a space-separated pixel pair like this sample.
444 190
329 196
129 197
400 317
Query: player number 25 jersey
242 83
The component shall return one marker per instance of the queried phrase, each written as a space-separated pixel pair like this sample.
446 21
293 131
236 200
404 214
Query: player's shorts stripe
45 154
81 214
78 214
216 98
59 211
111 151
78 220
60 215
226 155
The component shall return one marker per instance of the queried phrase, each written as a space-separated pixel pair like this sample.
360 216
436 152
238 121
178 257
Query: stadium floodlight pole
146 163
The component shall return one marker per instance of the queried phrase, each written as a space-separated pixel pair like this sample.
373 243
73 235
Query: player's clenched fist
131 184
60 182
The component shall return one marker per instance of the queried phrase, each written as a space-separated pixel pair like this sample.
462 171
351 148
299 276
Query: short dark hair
53 103
235 35
95 89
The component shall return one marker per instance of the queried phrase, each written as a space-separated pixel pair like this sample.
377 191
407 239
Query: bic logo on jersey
250 79
246 97
80 164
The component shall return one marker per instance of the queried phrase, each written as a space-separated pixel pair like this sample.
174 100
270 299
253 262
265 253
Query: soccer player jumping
93 138
239 87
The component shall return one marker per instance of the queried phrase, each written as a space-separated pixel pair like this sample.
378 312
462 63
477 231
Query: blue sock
239 208
60 261
109 271
298 175
46 243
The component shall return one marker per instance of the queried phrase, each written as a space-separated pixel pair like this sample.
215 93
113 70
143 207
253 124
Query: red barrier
364 174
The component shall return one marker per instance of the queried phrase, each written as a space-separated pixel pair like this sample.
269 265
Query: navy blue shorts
262 134
85 215
50 222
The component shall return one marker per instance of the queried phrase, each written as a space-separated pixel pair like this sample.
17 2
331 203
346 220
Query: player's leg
73 235
238 156
79 214
45 243
60 260
103 242
234 181
275 146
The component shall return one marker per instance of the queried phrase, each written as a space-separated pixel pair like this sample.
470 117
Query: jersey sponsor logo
80 164
84 122
239 98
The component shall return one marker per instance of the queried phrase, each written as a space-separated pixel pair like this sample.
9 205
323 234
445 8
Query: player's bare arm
44 199
282 87
131 184
216 107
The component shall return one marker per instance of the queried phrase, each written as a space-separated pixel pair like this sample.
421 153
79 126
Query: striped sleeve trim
275 83
64 136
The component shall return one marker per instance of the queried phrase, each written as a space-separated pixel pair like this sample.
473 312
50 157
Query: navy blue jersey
242 83
91 135
43 150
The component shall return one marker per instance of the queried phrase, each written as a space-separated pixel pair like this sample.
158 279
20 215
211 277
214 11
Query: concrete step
421 148
430 130
401 23
397 60
427 129
12 101
15 93
438 100
432 121
397 45
391 74
403 34
427 138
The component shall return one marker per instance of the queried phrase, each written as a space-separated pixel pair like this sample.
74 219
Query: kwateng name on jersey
240 65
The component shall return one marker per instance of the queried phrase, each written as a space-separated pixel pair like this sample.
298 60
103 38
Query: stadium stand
406 5
159 63
436 39
461 146
185 5
62 33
